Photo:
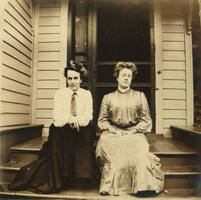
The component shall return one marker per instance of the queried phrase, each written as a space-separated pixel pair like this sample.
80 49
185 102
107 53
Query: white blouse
62 103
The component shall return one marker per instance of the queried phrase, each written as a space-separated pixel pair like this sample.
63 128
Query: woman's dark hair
78 67
121 65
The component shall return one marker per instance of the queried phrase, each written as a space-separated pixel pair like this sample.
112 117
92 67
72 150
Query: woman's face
125 77
73 80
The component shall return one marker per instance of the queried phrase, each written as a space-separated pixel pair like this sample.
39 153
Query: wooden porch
180 163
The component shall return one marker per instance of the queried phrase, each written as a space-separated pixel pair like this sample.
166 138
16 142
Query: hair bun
78 67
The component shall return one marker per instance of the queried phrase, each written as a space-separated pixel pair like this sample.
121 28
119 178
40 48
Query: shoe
104 193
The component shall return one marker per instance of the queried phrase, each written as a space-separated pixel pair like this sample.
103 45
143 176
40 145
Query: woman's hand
133 131
122 132
73 122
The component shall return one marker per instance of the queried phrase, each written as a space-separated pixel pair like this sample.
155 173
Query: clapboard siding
45 29
174 84
15 97
11 30
9 49
46 93
45 103
14 86
169 122
25 13
49 56
25 4
14 107
174 75
173 46
13 41
50 75
173 19
20 26
16 75
48 72
174 64
12 119
16 63
173 55
176 94
169 28
174 114
48 84
174 104
53 12
50 37
49 21
173 37
44 113
9 60
50 46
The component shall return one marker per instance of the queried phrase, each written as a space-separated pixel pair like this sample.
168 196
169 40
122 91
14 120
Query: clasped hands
74 123
125 132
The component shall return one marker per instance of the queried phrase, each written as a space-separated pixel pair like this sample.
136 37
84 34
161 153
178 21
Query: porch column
199 2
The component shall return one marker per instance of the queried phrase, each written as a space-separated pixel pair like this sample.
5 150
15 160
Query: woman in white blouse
66 156
127 166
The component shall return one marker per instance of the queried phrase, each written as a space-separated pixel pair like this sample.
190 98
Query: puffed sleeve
145 123
60 118
87 114
104 118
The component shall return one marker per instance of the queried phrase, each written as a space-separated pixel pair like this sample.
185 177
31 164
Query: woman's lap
126 159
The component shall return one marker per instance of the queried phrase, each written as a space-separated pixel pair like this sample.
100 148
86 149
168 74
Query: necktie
73 110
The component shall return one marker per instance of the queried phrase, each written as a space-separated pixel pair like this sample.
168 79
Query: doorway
107 31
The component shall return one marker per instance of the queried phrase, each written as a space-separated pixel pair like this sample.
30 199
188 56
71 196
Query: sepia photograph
100 99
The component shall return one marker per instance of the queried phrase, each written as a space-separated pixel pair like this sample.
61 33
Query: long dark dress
65 155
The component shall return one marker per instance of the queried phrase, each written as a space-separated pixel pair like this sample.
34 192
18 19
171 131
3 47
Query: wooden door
105 32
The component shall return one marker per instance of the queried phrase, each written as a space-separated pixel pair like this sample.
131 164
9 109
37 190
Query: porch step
28 150
169 151
92 194
175 176
179 162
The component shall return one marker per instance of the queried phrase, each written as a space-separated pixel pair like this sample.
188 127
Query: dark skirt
66 154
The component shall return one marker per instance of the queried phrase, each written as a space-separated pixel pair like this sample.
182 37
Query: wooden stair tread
94 195
181 170
168 170
191 129
31 145
170 146
158 145
14 165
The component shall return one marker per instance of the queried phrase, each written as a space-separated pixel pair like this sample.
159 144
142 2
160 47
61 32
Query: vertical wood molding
36 9
2 6
189 10
199 2
158 67
63 41
92 40
189 79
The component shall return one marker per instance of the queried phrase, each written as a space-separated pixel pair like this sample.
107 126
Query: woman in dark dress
66 155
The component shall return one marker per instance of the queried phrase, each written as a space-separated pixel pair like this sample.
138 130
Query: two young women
127 166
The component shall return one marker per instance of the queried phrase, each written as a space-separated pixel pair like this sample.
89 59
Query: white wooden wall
16 62
50 57
176 67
